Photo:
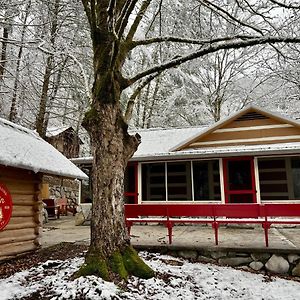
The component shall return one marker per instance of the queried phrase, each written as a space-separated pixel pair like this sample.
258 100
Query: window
295 163
279 178
273 179
179 181
153 182
174 181
206 178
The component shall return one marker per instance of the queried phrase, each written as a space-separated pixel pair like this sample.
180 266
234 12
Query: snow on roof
261 150
157 145
23 148
160 140
54 131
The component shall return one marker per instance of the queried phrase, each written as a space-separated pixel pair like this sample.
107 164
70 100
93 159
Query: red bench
214 214
279 214
236 214
135 213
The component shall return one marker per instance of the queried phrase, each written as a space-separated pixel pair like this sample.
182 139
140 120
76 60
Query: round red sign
5 206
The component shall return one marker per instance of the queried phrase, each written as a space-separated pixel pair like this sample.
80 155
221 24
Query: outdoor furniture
72 207
52 208
213 214
62 203
280 214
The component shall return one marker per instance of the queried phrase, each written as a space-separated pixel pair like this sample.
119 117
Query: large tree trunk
110 253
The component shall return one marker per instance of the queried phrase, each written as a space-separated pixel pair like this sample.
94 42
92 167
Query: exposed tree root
120 265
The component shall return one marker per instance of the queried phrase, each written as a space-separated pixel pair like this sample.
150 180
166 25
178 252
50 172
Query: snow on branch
293 6
187 40
124 16
137 20
213 47
225 14
82 70
131 101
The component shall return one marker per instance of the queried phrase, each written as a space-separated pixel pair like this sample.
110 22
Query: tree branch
223 12
137 20
187 40
285 5
233 44
131 101
124 16
89 13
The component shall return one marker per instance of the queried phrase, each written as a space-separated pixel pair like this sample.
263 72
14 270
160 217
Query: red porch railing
214 214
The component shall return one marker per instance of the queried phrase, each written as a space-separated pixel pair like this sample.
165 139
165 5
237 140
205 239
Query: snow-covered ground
177 279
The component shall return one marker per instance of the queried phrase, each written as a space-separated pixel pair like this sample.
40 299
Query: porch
152 236
236 179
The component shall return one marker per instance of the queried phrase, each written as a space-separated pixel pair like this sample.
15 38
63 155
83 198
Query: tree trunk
3 52
110 253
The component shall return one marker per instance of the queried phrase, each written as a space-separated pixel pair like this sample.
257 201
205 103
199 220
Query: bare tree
113 25
13 107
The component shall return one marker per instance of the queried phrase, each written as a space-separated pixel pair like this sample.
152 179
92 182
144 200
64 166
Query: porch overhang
219 152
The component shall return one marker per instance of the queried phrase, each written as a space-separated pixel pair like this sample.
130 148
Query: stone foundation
269 262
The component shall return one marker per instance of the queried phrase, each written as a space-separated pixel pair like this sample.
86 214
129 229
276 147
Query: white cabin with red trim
252 156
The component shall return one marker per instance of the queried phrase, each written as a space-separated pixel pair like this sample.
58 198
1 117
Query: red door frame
229 192
134 194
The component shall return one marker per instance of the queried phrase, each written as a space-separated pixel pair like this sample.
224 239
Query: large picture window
295 164
181 181
206 177
279 178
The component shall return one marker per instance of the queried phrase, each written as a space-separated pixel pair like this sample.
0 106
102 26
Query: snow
176 279
162 140
54 131
23 148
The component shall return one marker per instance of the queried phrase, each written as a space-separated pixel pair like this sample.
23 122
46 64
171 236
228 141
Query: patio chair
52 208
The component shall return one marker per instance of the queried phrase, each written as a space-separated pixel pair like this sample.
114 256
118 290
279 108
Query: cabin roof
188 140
25 149
55 130
163 144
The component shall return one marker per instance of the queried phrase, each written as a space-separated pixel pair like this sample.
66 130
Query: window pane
179 181
206 180
129 179
153 182
296 176
239 175
273 179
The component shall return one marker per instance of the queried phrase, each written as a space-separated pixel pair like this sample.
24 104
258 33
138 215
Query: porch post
222 187
139 182
256 175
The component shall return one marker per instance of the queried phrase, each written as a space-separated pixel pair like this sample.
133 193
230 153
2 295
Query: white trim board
259 127
264 139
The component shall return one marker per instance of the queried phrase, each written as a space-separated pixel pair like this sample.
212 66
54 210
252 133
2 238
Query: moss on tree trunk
118 266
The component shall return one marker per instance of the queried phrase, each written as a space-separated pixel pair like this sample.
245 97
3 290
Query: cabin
24 159
65 140
253 156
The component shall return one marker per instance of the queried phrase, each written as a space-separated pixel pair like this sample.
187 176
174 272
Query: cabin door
239 180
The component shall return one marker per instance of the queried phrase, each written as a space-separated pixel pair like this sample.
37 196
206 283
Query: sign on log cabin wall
5 206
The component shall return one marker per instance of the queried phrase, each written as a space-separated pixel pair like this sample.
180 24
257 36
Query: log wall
22 234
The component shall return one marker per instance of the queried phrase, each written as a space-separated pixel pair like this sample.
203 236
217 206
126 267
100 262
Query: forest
46 65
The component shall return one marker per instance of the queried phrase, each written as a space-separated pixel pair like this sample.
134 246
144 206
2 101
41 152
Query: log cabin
65 139
252 156
24 159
